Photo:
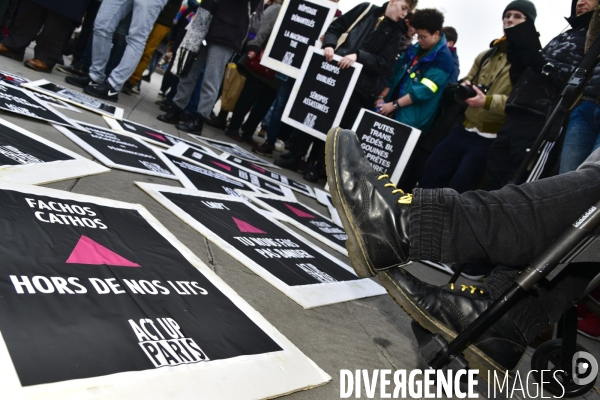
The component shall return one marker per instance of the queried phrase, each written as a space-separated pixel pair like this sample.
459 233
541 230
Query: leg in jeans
195 98
213 77
186 84
472 167
87 30
28 22
144 14
581 136
445 160
158 33
283 94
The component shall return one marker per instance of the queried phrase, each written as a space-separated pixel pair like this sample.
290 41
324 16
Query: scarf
192 42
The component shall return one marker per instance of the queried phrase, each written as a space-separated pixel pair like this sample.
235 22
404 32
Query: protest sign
386 142
119 151
12 79
320 94
233 149
52 101
99 300
324 198
305 273
74 97
29 158
300 24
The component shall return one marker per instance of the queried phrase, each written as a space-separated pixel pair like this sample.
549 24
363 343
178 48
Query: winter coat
229 25
455 74
535 92
375 44
494 72
72 9
424 82
167 15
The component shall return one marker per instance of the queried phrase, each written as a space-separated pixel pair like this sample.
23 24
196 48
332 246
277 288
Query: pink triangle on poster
259 169
87 251
246 227
156 135
300 213
224 166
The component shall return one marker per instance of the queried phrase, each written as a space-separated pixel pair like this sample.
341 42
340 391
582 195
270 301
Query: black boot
449 309
172 116
194 125
288 163
374 213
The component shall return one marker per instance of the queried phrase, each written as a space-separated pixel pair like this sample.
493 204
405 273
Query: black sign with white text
90 290
18 149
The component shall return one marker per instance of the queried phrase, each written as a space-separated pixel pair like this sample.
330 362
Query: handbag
233 83
255 66
344 35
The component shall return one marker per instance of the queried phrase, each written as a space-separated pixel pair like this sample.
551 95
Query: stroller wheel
548 356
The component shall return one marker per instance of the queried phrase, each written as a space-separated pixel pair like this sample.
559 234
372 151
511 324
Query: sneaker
264 150
137 89
279 146
193 125
127 88
373 211
589 326
80 81
103 91
235 135
70 70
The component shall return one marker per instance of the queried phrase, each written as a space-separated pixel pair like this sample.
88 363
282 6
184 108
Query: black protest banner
22 102
300 187
386 142
234 150
119 151
306 219
12 79
75 97
299 25
228 169
194 176
320 94
90 288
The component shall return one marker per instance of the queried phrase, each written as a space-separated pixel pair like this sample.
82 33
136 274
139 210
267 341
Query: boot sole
475 357
357 255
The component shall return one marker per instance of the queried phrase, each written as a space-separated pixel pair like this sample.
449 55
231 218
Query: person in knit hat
524 6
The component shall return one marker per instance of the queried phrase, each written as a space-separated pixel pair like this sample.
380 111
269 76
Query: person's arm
341 25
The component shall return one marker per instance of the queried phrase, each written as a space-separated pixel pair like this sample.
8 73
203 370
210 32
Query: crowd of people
476 129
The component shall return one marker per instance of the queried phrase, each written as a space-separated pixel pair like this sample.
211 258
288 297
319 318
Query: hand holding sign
347 61
328 53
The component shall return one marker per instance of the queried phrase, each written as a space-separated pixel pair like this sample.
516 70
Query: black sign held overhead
299 25
386 142
320 95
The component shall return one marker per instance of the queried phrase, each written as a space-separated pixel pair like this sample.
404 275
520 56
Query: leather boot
449 309
374 213
194 125
172 116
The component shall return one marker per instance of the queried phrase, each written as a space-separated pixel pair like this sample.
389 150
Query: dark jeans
256 96
510 226
54 30
87 29
458 162
510 148
275 124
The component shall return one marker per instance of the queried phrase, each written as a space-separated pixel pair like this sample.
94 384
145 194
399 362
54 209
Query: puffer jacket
535 92
229 25
375 44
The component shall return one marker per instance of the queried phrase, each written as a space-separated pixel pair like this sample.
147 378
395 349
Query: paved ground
367 334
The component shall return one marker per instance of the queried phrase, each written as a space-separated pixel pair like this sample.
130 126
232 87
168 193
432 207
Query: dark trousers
510 148
87 28
256 97
458 162
54 30
510 226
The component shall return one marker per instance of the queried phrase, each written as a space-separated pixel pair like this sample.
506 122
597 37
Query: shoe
217 122
262 133
37 65
287 163
80 81
166 106
6 52
137 89
193 125
589 326
235 135
103 91
160 94
70 70
248 140
450 309
312 176
127 88
286 156
172 116
373 211
279 146
264 150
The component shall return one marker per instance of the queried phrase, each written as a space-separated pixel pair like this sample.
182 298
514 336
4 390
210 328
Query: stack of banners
23 102
284 180
324 198
151 135
75 97
99 300
194 176
304 218
119 151
305 273
216 164
234 150
320 94
29 158
53 101
12 79
386 142
300 24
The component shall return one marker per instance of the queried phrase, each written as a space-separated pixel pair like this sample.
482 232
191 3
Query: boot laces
463 288
406 198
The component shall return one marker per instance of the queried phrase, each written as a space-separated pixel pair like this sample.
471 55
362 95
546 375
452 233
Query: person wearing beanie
524 6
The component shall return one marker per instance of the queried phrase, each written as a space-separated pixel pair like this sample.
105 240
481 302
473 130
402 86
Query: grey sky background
478 22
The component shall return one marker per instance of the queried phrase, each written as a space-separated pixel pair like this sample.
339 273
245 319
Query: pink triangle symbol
300 213
246 227
224 166
87 251
156 135
259 169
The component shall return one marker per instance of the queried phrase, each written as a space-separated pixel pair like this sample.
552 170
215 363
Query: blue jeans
582 136
283 94
144 13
